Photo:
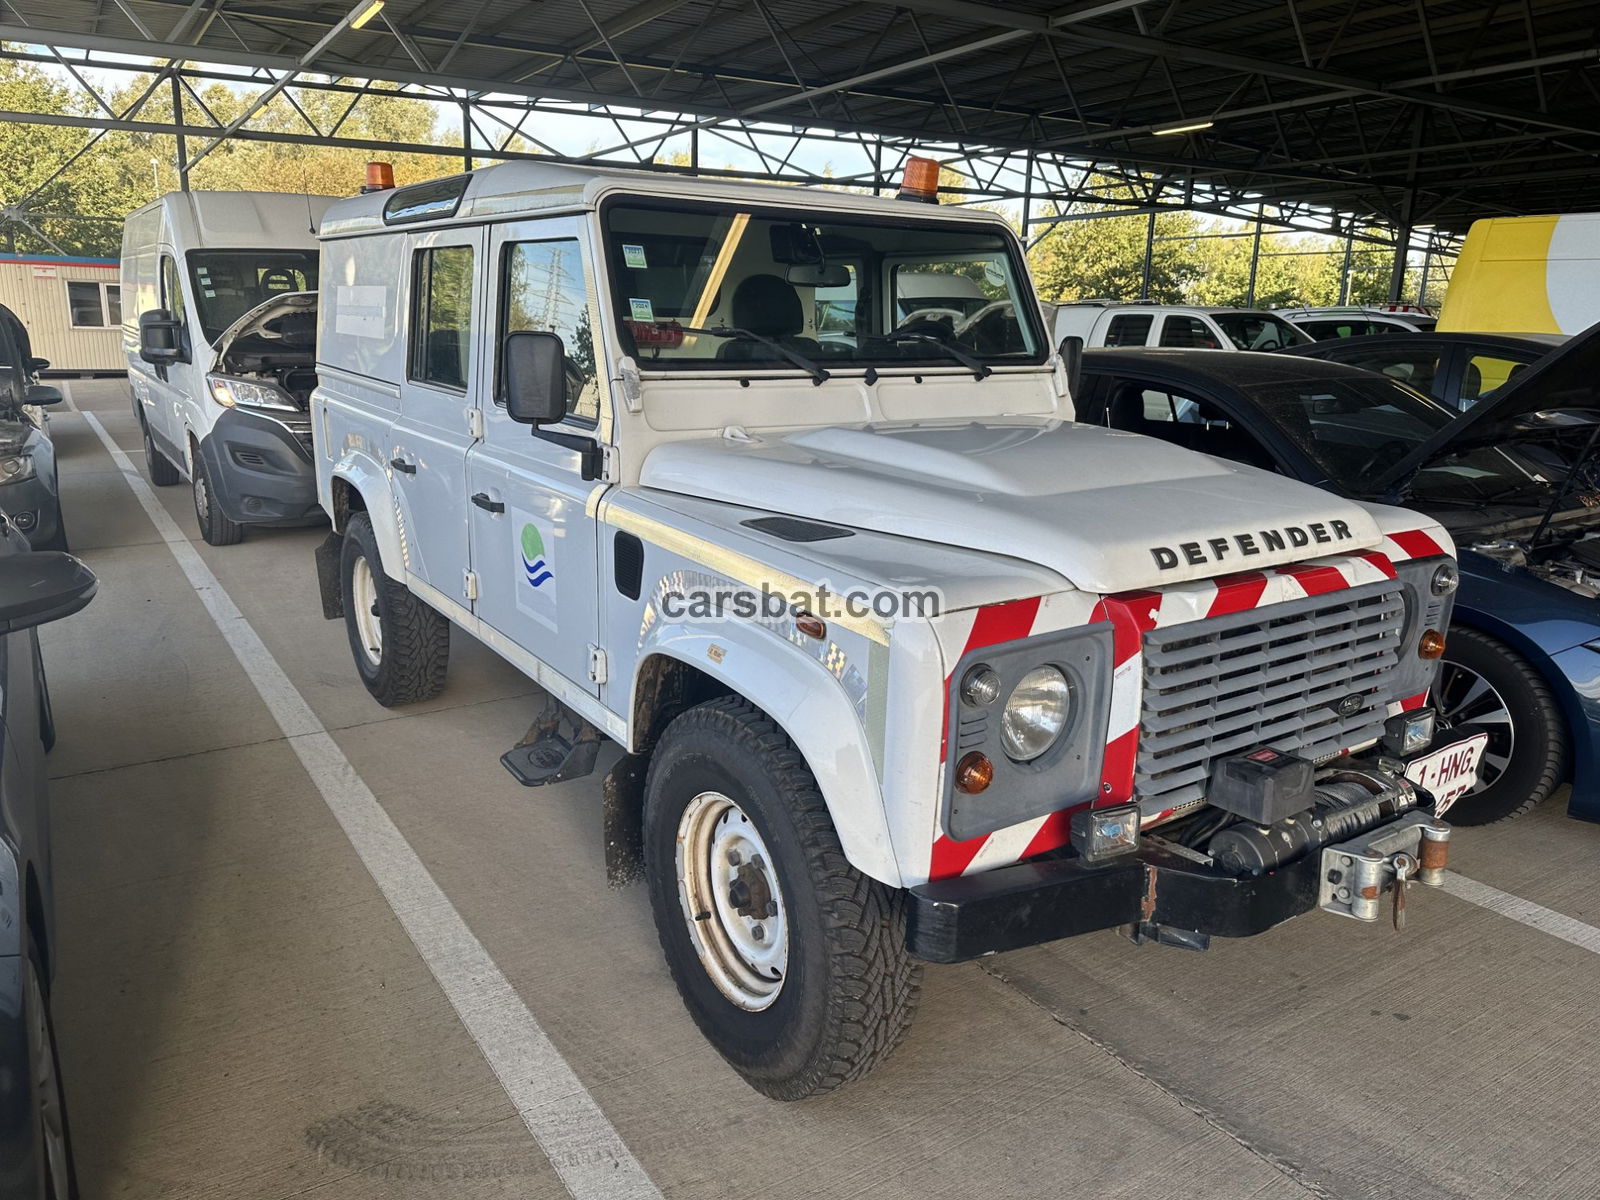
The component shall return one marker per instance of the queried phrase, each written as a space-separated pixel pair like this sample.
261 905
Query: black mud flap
327 556
623 827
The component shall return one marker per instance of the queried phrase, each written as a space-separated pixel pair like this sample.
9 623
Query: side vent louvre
793 529
629 570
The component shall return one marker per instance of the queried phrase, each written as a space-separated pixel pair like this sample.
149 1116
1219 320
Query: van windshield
229 283
836 290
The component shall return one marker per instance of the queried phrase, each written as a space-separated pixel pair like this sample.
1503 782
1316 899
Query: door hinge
597 664
475 423
469 584
610 471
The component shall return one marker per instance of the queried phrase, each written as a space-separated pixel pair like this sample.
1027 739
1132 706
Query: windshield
1355 430
1259 331
229 283
835 290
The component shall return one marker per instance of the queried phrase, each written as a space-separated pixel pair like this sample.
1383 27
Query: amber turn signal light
974 773
1431 644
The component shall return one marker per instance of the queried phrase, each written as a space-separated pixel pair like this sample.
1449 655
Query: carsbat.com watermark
723 601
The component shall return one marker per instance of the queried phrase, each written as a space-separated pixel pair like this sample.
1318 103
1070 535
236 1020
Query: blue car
1524 650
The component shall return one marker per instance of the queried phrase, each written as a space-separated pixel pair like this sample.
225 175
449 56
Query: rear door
428 447
531 509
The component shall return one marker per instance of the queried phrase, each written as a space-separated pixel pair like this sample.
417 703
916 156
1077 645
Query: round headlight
1036 713
1446 579
980 686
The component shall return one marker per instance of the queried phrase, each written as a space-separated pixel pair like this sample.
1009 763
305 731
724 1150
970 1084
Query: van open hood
281 332
1566 378
1109 511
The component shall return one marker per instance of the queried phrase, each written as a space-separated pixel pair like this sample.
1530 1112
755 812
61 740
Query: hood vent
792 529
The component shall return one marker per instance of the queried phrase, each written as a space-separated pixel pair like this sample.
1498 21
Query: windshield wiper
818 373
980 370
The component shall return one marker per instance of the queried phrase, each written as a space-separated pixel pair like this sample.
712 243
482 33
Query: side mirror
161 338
35 365
40 586
1071 352
535 366
44 393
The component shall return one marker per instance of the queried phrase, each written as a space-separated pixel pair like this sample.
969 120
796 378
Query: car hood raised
282 328
1109 511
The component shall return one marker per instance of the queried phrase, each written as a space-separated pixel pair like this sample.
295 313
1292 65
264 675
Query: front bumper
261 469
1160 890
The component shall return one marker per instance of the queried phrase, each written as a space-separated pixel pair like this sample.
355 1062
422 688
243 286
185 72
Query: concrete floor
243 1016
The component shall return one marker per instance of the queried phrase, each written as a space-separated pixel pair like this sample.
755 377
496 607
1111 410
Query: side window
543 289
171 289
83 304
1482 374
1416 368
441 316
113 304
1188 331
1129 329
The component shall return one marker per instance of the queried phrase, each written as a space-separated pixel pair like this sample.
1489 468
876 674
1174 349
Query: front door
533 528
428 445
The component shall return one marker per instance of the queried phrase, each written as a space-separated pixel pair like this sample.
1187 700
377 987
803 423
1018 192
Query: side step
560 745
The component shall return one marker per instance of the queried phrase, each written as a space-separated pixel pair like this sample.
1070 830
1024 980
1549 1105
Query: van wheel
401 646
215 526
1484 682
791 962
156 464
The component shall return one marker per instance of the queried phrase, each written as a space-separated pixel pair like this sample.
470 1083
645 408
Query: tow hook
1357 874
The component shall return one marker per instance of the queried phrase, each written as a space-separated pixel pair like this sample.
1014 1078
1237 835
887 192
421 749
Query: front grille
1271 676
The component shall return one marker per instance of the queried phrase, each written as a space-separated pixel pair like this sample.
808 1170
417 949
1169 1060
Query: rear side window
1188 331
441 316
1129 329
544 290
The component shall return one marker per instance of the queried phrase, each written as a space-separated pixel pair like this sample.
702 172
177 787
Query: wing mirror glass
44 393
161 338
40 586
535 365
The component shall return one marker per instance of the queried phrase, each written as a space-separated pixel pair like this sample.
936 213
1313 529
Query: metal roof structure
1406 111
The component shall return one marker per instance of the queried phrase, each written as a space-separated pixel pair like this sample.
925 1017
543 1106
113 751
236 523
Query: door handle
401 465
481 499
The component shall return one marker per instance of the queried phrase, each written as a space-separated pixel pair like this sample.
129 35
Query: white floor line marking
575 1135
1536 916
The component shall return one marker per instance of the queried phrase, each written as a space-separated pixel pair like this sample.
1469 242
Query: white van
1112 323
903 660
193 264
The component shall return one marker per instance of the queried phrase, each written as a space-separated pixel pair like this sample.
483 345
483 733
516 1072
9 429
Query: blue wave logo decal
533 564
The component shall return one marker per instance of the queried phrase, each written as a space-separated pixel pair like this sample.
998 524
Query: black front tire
413 654
156 464
1481 677
57 1174
215 526
849 989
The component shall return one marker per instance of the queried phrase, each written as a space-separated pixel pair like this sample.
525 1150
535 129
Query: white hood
1109 511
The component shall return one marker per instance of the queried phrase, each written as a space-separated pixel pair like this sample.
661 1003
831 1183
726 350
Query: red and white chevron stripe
1132 614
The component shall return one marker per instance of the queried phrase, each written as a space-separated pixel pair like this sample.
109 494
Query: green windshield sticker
633 256
641 310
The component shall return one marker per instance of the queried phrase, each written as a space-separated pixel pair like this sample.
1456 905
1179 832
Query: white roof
530 187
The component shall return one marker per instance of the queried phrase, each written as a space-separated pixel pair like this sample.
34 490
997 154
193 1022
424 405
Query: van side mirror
161 338
1071 352
36 365
43 393
40 586
535 365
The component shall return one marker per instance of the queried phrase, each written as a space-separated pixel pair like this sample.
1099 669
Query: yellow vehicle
1526 275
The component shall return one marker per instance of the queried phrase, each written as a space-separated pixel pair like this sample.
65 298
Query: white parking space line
1536 916
581 1143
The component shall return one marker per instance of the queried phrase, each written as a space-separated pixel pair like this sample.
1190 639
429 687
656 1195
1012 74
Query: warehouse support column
1149 253
177 119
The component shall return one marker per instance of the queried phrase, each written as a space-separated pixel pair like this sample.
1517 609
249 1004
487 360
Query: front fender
366 476
809 705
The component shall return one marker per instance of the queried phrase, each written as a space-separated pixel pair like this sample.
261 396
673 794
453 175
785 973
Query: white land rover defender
906 665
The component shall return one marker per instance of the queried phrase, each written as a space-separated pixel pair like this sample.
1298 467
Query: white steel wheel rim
46 1086
364 597
732 901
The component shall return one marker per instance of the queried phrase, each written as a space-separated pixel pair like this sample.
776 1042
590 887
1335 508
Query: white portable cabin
72 309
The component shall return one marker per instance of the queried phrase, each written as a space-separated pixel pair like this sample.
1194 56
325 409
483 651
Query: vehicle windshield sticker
633 256
536 589
641 310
